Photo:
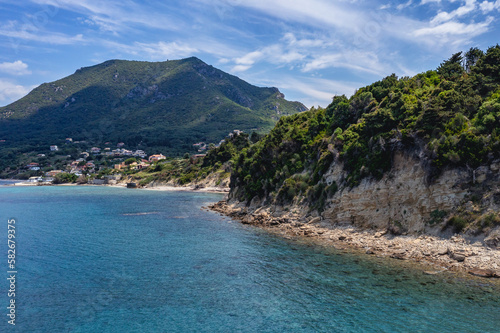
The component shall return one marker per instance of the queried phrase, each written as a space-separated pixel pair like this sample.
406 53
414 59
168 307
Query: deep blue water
96 259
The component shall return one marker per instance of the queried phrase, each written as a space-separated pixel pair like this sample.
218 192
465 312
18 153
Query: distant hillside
164 106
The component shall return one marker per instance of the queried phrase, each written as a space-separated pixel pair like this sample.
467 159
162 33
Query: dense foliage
451 114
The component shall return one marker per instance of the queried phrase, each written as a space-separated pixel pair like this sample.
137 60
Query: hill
403 154
155 106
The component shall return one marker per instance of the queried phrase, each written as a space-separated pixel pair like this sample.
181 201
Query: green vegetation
160 107
437 216
216 164
451 114
62 178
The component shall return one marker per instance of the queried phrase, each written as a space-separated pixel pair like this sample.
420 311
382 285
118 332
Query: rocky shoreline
454 254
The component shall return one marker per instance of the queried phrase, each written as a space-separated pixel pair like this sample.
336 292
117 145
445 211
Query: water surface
97 259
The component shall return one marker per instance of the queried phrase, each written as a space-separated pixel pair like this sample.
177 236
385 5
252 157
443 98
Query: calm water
94 259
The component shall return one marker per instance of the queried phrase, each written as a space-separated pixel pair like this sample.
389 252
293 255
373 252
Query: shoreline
208 189
440 255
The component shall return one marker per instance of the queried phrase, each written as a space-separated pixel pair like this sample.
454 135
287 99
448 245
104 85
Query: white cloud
404 5
249 58
16 30
454 29
323 61
240 68
15 68
117 16
470 6
316 91
487 6
359 61
162 50
314 12
423 2
10 92
154 51
279 54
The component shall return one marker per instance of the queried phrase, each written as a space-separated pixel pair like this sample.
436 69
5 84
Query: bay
99 259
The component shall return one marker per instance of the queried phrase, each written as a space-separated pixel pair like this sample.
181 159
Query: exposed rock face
493 239
400 201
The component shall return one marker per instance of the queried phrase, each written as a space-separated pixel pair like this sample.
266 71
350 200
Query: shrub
458 223
490 220
437 216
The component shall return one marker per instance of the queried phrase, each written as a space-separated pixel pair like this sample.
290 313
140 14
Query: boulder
493 239
487 273
401 255
458 255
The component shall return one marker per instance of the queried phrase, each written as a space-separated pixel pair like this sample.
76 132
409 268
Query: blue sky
310 49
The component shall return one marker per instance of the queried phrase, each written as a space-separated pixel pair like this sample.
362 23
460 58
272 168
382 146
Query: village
95 166
98 165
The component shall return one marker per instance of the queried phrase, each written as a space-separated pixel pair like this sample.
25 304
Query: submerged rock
487 273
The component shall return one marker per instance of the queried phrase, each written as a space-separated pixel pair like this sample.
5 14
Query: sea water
98 259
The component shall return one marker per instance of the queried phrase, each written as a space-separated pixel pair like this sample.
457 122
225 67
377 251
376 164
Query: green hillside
161 106
451 116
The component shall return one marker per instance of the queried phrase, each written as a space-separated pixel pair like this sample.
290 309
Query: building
69 140
234 133
54 148
33 166
157 157
95 150
120 144
34 179
52 173
140 153
89 165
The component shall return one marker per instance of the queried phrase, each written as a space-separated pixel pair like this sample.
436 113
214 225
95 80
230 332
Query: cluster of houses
48 177
118 152
83 166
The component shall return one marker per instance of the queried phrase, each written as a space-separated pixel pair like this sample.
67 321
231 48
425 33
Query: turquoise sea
98 259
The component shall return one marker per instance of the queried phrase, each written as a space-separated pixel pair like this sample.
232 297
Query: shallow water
97 259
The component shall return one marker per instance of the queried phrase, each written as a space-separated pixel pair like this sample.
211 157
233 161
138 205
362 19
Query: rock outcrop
402 199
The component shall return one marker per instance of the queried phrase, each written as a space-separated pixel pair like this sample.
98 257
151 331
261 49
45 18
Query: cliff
401 215
407 155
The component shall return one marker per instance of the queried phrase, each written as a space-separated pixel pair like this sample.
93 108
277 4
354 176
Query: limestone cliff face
401 199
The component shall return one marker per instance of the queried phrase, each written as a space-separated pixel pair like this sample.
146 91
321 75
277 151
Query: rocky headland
396 216
454 254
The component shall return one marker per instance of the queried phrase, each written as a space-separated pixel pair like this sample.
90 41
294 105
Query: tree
130 161
471 58
65 178
451 68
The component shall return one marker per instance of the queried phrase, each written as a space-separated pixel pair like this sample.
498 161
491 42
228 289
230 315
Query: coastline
453 255
208 189
440 255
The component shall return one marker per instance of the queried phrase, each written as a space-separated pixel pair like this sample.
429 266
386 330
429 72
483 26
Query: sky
311 50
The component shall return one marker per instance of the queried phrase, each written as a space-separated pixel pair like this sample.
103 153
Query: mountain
166 106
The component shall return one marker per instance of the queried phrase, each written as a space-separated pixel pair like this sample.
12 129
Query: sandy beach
210 189
454 254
